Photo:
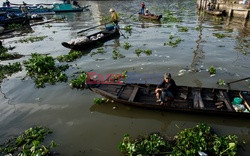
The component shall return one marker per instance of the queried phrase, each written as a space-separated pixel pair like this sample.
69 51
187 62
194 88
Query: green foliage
169 17
8 70
126 45
187 142
32 39
146 51
212 70
4 55
183 29
145 145
105 19
43 70
128 28
79 82
124 73
14 26
72 56
221 82
100 100
173 43
48 26
117 55
29 143
99 51
218 35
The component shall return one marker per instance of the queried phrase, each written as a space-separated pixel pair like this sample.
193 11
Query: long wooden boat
32 10
68 8
189 99
6 21
151 16
108 35
214 12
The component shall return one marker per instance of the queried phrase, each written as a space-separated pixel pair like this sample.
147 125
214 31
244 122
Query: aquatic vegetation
128 28
79 82
146 51
221 82
173 43
218 35
32 39
183 29
169 17
29 143
99 51
100 100
244 52
212 70
198 28
43 70
48 26
105 19
14 26
72 56
126 45
8 70
189 141
117 55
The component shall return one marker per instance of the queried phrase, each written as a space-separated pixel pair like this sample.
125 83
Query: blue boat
31 10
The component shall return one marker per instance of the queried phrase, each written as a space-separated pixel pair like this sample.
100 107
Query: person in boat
24 10
75 3
114 17
147 13
7 3
142 7
167 88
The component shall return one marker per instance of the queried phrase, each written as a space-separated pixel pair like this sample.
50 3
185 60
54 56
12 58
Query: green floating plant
146 51
117 55
43 70
79 82
32 39
212 70
126 45
72 56
30 142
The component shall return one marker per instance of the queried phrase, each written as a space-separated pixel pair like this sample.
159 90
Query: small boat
214 12
63 7
188 99
30 9
151 16
13 19
107 35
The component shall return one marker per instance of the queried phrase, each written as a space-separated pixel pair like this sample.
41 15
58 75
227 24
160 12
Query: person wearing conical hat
114 16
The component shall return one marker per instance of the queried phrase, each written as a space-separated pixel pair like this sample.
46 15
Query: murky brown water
79 126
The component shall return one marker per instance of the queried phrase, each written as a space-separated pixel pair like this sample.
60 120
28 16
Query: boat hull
108 35
189 99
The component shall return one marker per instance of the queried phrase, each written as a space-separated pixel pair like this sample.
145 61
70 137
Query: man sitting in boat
147 13
75 3
7 3
114 18
167 89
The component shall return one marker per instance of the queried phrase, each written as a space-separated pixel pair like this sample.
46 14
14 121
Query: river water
82 128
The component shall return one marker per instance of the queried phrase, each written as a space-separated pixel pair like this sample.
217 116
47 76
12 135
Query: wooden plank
133 94
102 92
226 100
197 100
246 100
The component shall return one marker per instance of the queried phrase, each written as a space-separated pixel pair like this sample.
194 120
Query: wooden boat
108 35
68 8
31 10
151 16
189 99
214 12
6 21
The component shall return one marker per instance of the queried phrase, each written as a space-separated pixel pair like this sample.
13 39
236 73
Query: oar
238 80
122 34
90 28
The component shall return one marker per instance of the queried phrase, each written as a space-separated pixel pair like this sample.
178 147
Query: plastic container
110 27
237 101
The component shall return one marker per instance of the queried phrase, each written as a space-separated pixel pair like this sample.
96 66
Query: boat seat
246 98
133 94
197 100
226 100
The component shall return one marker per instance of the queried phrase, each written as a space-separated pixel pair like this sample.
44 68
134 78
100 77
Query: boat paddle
91 28
238 80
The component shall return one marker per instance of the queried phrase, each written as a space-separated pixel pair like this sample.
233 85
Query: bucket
237 101
110 27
